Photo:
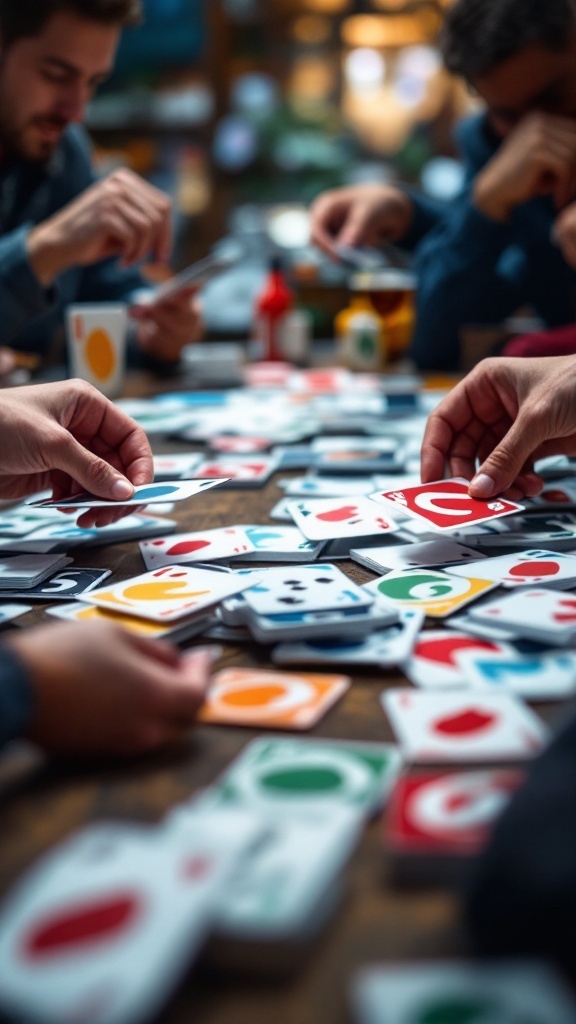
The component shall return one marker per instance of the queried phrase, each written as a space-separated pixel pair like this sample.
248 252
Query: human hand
99 689
165 327
69 437
507 413
537 158
564 234
120 215
362 215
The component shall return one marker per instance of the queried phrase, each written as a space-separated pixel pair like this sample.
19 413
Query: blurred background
245 110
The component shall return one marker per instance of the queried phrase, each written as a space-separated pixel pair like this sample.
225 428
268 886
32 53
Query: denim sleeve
16 696
22 297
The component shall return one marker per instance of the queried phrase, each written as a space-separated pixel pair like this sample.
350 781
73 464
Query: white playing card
280 544
534 677
505 992
305 588
9 612
20 572
176 466
540 615
446 504
436 593
247 472
386 647
201 546
453 726
526 568
324 519
168 594
329 487
107 899
438 552
145 494
436 660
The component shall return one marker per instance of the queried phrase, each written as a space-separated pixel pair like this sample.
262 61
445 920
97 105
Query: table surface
43 802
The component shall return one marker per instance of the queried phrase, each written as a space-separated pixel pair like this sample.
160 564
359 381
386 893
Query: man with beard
65 236
509 240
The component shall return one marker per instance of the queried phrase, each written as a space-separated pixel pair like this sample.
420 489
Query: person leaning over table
89 688
505 241
507 413
65 236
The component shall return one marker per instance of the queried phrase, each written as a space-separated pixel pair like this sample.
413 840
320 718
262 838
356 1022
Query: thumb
507 461
92 473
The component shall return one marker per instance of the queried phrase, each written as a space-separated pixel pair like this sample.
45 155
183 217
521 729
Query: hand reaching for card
507 413
68 436
101 690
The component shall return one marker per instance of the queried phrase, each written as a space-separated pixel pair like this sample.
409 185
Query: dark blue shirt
474 270
16 698
31 315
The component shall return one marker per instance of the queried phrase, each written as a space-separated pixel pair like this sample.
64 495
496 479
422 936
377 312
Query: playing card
239 472
9 612
534 676
176 466
305 588
271 699
444 815
329 487
305 777
277 895
345 623
499 992
280 511
561 494
21 572
280 544
168 594
446 504
146 494
453 726
232 444
131 527
324 519
436 660
540 615
386 647
488 630
438 552
435 593
78 611
202 546
66 585
526 568
111 897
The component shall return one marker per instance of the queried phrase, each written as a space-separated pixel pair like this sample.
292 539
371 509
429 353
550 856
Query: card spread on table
506 992
449 812
246 472
145 494
305 588
304 776
272 699
436 660
532 676
535 614
415 556
177 466
438 594
351 623
526 568
329 487
79 611
458 726
202 546
446 504
384 647
66 585
167 594
324 519
109 898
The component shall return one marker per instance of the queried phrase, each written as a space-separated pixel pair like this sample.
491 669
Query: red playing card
446 504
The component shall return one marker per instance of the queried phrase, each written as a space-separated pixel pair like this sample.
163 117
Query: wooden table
41 803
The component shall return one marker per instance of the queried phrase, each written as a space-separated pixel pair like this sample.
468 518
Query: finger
501 469
93 474
358 225
99 424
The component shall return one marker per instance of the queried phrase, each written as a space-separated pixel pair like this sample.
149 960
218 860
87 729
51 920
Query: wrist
46 255
490 202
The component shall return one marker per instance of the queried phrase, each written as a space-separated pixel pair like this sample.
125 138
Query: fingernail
483 486
122 489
